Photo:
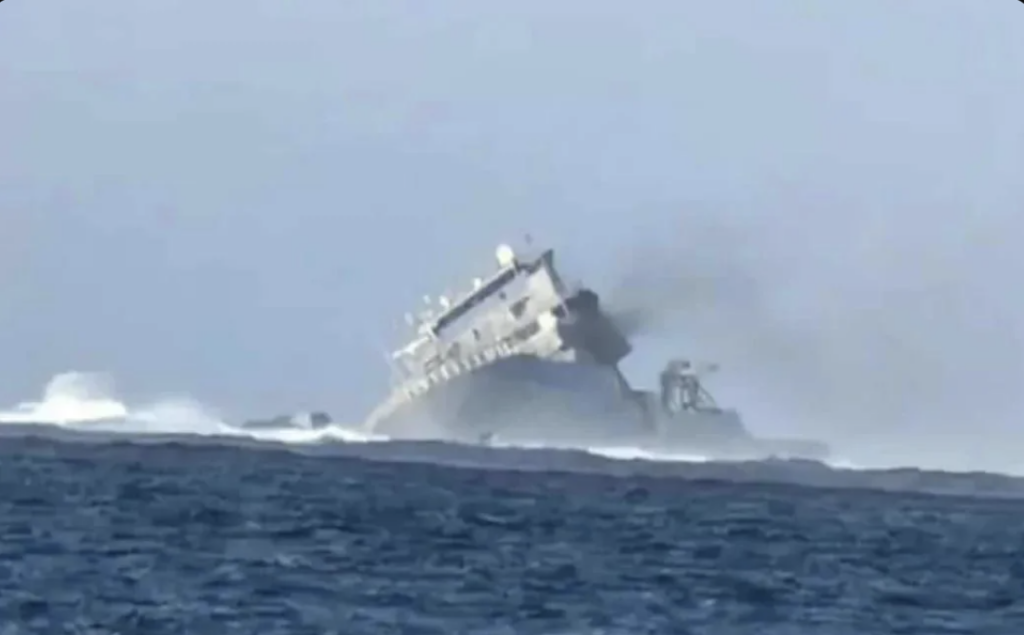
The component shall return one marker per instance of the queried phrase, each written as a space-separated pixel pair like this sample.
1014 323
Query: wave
85 402
84 407
68 399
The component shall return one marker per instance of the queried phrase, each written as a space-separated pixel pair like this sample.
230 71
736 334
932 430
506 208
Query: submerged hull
526 400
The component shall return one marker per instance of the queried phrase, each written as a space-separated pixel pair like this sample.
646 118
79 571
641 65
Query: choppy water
176 539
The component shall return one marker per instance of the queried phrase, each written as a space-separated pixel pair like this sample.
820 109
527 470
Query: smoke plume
894 334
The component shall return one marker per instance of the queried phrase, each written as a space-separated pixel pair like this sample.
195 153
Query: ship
524 358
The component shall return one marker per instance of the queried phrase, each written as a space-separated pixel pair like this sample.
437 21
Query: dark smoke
900 337
663 285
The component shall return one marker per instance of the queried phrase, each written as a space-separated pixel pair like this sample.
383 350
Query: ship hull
530 401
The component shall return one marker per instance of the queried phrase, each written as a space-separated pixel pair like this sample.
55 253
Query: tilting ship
523 358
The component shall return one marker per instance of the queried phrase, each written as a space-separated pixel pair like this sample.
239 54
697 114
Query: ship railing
454 368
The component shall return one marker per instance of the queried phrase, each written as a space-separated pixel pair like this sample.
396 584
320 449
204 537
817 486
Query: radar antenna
505 255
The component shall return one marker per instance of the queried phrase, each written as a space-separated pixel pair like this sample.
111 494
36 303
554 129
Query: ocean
177 538
161 518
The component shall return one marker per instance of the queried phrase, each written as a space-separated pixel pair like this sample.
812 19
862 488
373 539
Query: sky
240 203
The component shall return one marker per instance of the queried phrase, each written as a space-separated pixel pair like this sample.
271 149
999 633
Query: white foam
70 398
333 432
636 454
89 401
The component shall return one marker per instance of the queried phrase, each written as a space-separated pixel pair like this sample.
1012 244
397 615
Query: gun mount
682 389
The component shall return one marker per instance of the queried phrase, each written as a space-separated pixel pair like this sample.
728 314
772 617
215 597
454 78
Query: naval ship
525 359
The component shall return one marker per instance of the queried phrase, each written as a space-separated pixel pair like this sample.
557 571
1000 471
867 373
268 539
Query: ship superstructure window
493 287
518 308
528 331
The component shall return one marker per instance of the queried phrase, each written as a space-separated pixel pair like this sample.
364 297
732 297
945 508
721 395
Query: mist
896 340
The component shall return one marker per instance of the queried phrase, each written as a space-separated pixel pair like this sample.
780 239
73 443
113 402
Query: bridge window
518 308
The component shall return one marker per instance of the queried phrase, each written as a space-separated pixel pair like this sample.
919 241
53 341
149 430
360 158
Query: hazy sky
239 202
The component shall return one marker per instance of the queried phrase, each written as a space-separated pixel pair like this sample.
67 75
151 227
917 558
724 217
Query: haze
239 203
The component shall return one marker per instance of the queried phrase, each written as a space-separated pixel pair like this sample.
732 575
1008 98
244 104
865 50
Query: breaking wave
68 399
88 402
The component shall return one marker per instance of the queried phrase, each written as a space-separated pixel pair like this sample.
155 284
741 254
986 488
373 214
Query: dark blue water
172 539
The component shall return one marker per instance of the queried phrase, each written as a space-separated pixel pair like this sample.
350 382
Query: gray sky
240 203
